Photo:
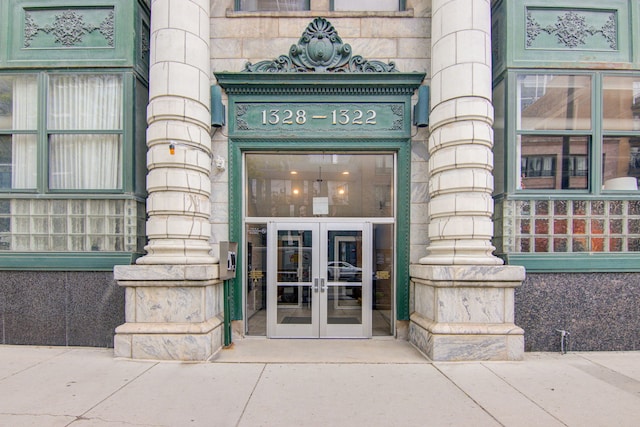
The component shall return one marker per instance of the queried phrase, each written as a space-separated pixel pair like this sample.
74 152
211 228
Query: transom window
573 136
272 5
61 132
367 5
335 5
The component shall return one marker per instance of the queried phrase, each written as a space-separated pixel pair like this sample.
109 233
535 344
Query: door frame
237 219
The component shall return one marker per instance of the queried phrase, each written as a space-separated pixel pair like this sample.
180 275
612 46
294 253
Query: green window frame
58 129
572 125
52 226
590 227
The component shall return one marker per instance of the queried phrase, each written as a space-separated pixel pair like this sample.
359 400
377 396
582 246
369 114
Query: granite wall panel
60 308
601 311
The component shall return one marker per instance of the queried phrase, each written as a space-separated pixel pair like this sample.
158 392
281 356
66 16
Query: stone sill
324 13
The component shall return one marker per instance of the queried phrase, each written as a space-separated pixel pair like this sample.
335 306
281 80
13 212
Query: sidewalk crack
255 386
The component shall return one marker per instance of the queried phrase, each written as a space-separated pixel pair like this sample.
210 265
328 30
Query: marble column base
172 312
465 312
165 341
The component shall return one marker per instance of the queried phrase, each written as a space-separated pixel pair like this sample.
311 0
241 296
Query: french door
319 280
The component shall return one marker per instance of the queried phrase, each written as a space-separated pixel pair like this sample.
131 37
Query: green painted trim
403 229
342 84
70 261
587 262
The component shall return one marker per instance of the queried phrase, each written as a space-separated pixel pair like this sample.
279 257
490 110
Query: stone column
463 296
178 114
461 161
173 298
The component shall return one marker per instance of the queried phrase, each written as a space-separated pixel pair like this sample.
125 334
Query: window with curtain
82 139
18 131
272 5
84 119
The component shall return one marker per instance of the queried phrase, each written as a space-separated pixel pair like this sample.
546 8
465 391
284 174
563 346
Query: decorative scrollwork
69 28
533 29
571 30
320 49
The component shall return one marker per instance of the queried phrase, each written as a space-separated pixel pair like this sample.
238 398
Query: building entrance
319 281
319 239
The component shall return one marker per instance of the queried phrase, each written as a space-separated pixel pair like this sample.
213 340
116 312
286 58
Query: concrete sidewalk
316 383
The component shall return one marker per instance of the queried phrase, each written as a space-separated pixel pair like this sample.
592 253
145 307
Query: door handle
315 285
322 285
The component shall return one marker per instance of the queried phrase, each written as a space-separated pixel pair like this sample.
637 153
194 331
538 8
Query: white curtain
24 146
85 160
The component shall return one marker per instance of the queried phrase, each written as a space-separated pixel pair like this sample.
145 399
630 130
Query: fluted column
461 160
178 114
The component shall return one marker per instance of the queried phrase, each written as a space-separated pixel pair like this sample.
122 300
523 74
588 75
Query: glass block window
30 225
555 226
272 5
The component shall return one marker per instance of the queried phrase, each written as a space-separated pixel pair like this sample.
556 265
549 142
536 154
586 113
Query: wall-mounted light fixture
217 107
421 109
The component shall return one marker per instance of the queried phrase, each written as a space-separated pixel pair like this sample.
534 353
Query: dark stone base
601 311
60 308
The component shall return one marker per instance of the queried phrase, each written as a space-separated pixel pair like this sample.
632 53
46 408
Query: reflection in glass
320 185
294 276
554 102
554 162
383 273
256 302
344 275
621 103
621 162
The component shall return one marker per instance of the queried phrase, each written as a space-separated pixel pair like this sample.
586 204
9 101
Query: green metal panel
576 262
72 33
69 261
566 34
330 118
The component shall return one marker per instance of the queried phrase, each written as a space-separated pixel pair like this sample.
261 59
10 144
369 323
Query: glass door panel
319 280
346 255
289 286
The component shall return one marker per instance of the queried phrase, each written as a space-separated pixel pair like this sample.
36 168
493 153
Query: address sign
320 117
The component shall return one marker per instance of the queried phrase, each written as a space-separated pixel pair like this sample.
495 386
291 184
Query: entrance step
263 350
